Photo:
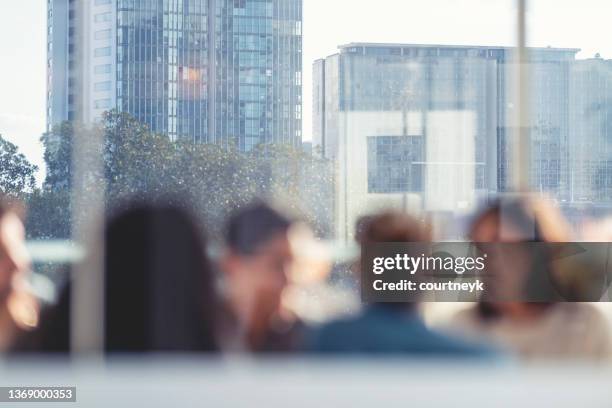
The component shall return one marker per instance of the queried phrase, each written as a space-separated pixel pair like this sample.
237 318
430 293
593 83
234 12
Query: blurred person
320 271
597 230
52 335
531 329
159 285
159 288
392 328
256 266
18 307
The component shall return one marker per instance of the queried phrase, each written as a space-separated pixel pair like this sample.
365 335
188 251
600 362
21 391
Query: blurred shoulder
588 323
332 336
468 317
582 312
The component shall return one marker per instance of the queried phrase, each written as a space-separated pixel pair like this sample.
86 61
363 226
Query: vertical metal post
521 158
87 311
87 295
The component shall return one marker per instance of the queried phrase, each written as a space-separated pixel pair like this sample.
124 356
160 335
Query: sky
327 23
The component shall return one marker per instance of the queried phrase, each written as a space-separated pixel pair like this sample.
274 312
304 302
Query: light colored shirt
565 330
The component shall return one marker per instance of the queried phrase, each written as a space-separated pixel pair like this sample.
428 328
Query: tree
17 174
140 164
58 156
49 214
301 182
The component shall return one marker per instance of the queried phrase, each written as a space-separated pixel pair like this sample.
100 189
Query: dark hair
537 221
253 226
392 227
534 218
159 284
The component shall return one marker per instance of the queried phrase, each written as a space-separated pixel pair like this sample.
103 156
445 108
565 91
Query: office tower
429 127
211 71
60 61
590 132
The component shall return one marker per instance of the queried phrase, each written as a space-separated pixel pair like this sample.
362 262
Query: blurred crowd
163 292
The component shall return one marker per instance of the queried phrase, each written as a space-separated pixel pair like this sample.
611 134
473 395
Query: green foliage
17 174
58 151
49 215
139 164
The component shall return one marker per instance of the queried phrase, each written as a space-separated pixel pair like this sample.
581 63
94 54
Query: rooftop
473 47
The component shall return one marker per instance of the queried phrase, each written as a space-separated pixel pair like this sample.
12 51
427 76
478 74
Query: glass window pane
102 52
102 86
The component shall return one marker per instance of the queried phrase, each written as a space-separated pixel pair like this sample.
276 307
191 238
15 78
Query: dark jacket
388 329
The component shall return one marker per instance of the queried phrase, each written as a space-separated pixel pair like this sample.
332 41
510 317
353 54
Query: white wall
449 166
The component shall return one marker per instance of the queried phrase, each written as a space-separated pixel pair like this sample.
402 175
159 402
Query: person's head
14 258
526 219
516 269
159 284
394 227
258 254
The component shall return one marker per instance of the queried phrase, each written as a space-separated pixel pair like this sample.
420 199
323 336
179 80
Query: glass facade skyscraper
429 127
590 145
211 71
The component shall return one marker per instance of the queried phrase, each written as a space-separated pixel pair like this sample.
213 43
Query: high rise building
428 127
591 132
211 71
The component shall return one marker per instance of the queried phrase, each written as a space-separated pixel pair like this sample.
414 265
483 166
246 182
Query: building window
102 34
103 69
102 86
102 52
394 164
102 103
103 17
